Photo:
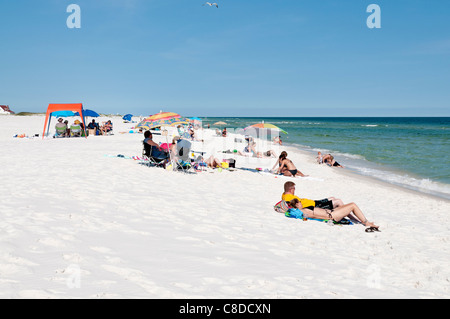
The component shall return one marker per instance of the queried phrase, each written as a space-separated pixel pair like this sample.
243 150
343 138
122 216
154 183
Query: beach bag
281 207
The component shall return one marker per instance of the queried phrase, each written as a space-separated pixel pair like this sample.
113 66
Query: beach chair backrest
183 149
61 129
75 128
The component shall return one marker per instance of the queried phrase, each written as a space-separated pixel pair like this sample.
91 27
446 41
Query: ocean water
409 152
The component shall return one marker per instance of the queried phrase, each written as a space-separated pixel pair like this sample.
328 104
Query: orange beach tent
78 107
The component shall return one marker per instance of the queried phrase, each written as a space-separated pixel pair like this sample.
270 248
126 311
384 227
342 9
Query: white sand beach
78 222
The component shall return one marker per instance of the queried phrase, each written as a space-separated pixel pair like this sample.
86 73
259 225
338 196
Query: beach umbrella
88 113
160 119
220 123
266 126
162 122
127 117
163 115
180 121
64 113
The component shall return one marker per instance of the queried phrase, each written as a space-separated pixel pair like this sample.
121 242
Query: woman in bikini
278 162
335 214
287 167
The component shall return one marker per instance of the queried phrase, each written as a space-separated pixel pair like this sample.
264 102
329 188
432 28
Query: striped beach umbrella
162 116
266 126
149 124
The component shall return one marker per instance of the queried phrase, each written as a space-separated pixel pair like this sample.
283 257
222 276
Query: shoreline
371 178
310 153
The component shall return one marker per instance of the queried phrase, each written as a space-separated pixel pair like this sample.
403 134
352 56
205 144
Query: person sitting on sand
249 150
284 153
319 157
277 140
326 203
329 159
291 170
336 214
212 162
156 151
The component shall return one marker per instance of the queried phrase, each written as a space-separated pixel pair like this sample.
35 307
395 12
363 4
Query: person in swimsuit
336 214
329 159
334 163
290 170
279 163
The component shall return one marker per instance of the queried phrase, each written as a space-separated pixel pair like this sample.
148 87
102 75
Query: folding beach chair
147 151
61 131
75 130
183 161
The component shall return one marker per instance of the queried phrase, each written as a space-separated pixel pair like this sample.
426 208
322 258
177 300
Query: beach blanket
298 214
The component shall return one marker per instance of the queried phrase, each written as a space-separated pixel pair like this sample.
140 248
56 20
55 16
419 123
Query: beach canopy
52 108
266 126
63 113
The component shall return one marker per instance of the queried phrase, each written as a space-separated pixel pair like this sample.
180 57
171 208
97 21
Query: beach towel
298 214
281 207
294 213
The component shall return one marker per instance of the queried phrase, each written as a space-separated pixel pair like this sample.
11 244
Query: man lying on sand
326 203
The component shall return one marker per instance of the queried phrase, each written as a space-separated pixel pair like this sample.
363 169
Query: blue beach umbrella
88 113
127 117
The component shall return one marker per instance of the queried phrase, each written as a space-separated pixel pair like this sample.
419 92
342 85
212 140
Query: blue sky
245 58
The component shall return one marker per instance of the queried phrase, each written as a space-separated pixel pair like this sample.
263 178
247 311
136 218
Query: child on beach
319 158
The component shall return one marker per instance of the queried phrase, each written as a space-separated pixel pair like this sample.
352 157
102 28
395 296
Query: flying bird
211 4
